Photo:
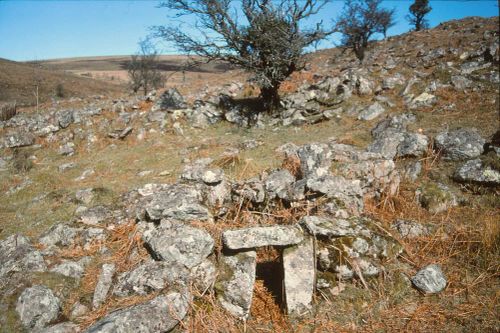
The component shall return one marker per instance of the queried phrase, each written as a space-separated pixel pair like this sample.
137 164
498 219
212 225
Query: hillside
18 80
368 203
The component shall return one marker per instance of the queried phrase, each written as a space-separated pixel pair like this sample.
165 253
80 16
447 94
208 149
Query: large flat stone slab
247 238
329 227
299 267
235 284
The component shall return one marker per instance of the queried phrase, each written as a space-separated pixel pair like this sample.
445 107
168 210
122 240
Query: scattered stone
235 282
78 310
250 144
253 237
212 176
329 227
409 229
465 143
278 184
423 100
67 149
204 276
94 216
73 269
150 277
347 193
315 159
66 327
161 314
85 196
299 275
474 171
372 112
85 175
103 284
177 243
19 139
66 166
17 255
178 202
59 235
171 99
461 82
37 307
430 279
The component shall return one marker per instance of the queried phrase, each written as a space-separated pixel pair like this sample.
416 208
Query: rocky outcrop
460 144
37 307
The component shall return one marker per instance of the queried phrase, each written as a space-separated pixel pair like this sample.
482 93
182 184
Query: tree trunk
270 97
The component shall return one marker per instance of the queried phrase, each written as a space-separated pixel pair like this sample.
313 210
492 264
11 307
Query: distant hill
18 80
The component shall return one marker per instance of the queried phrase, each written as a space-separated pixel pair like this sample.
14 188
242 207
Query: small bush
60 90
21 160
7 111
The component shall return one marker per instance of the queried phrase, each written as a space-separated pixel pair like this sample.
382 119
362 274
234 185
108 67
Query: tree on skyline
418 10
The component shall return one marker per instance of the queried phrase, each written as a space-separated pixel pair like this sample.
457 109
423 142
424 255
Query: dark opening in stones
270 271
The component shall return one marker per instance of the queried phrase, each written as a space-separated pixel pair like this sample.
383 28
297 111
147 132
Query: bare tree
266 39
143 69
360 20
418 10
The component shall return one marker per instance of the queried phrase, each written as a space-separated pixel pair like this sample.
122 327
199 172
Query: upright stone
236 280
299 268
103 284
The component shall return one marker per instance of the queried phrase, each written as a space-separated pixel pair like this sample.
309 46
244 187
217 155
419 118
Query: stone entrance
239 268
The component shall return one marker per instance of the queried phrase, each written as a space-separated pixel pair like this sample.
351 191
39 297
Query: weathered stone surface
248 238
423 100
103 284
73 269
235 282
178 202
94 215
372 112
68 149
17 255
66 327
430 279
315 159
299 275
460 144
19 139
212 176
161 314
252 190
348 193
150 277
64 118
460 82
59 234
329 227
278 184
37 307
171 99
203 276
178 243
474 171
409 229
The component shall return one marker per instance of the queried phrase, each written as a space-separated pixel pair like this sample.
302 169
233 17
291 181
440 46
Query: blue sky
58 29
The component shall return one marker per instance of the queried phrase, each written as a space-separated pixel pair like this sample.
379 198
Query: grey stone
178 202
423 100
252 190
17 255
460 82
94 215
278 184
103 285
161 314
171 99
203 276
19 139
66 327
64 118
413 144
212 176
413 171
430 279
66 166
250 144
85 196
59 235
37 307
460 144
474 171
329 227
235 282
252 237
409 229
178 243
150 277
299 264
315 159
78 310
372 112
396 123
347 193
73 269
